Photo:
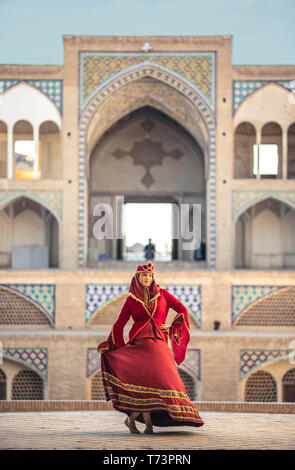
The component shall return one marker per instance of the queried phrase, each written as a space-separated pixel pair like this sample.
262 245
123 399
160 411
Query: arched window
291 151
2 385
3 150
97 388
49 148
288 383
27 385
261 387
24 150
268 155
244 141
188 383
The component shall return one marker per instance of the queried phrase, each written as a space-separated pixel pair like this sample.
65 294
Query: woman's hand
165 328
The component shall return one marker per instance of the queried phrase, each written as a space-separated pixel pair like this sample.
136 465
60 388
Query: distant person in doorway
149 250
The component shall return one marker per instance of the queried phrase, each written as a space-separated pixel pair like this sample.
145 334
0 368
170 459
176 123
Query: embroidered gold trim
170 395
148 401
138 388
150 268
183 320
143 304
113 338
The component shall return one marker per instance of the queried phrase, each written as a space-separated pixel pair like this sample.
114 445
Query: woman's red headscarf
141 293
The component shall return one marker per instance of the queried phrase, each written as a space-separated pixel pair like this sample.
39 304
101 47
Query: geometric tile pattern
93 363
243 296
250 359
205 104
50 199
37 358
195 68
190 296
98 294
243 88
242 200
192 362
43 295
51 88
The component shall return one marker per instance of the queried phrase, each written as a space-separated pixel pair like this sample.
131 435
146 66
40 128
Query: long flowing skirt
142 376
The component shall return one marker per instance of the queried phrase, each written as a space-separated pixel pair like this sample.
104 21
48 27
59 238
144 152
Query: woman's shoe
132 428
149 429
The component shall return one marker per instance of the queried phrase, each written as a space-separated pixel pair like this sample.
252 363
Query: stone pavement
100 430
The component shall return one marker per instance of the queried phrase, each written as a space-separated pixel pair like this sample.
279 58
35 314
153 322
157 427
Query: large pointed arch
178 85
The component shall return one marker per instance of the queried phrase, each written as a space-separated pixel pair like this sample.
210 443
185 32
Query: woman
141 377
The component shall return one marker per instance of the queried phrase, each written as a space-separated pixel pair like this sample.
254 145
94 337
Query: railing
97 405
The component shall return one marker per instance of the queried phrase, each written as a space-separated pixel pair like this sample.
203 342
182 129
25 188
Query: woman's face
146 279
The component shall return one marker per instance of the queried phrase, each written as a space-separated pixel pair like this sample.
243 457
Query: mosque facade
163 120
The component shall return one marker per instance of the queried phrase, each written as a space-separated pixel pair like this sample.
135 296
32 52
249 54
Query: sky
31 31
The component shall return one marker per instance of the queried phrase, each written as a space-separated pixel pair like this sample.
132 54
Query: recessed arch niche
264 236
27 223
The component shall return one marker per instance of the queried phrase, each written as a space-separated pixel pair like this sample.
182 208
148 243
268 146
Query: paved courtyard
98 430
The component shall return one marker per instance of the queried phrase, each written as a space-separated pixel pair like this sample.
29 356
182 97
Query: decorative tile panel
36 358
99 294
93 363
43 296
192 362
51 88
99 68
50 199
244 88
250 359
190 296
243 296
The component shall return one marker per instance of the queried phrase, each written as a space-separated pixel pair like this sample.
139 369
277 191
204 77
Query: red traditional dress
141 375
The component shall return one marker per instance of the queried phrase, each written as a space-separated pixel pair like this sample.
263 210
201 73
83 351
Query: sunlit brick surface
105 430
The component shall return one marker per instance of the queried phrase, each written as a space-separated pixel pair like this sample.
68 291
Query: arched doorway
146 158
3 379
27 385
288 383
261 387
